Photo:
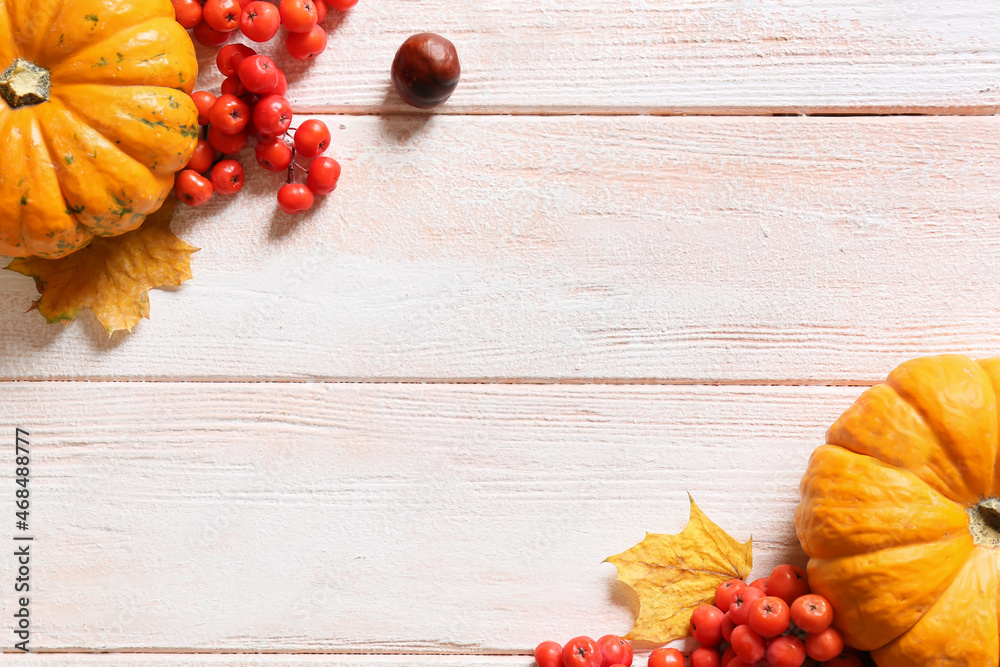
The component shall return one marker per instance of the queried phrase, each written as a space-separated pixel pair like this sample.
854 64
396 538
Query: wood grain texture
415 520
271 660
461 519
813 250
666 56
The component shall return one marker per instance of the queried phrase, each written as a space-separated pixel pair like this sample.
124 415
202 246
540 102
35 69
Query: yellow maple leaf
113 275
673 574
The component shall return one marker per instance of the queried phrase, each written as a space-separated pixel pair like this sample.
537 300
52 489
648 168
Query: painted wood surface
645 258
270 660
663 57
814 250
461 519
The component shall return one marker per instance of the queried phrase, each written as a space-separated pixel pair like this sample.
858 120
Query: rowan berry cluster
213 21
252 101
608 651
774 621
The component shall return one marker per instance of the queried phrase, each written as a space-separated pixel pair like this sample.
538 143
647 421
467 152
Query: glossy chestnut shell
426 70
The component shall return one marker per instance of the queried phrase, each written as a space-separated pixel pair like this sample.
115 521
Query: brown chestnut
425 70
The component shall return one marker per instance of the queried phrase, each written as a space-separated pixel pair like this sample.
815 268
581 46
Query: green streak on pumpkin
146 121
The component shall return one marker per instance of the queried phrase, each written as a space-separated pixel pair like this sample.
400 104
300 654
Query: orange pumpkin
900 517
95 118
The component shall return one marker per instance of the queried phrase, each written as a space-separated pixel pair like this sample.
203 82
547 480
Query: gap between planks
682 57
723 112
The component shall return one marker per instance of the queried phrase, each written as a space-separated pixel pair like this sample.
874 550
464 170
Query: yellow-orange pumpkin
900 518
95 118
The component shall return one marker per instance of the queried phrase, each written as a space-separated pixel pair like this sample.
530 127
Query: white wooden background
631 258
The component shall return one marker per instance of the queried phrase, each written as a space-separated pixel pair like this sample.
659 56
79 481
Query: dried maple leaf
673 574
113 275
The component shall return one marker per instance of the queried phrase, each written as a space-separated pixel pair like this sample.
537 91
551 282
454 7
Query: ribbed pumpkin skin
884 519
101 153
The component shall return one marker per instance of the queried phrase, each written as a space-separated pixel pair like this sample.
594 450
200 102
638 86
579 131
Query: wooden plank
691 56
393 518
269 660
761 250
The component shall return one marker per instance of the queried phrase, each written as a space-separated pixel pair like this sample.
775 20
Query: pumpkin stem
984 522
24 83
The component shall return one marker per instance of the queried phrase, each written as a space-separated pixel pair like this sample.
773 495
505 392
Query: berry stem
291 168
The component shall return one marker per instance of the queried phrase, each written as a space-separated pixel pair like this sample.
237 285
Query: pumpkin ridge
878 596
883 412
13 143
958 427
992 368
159 153
838 481
941 444
36 18
136 46
974 641
51 155
85 22
60 239
111 37
24 145
8 50
127 215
